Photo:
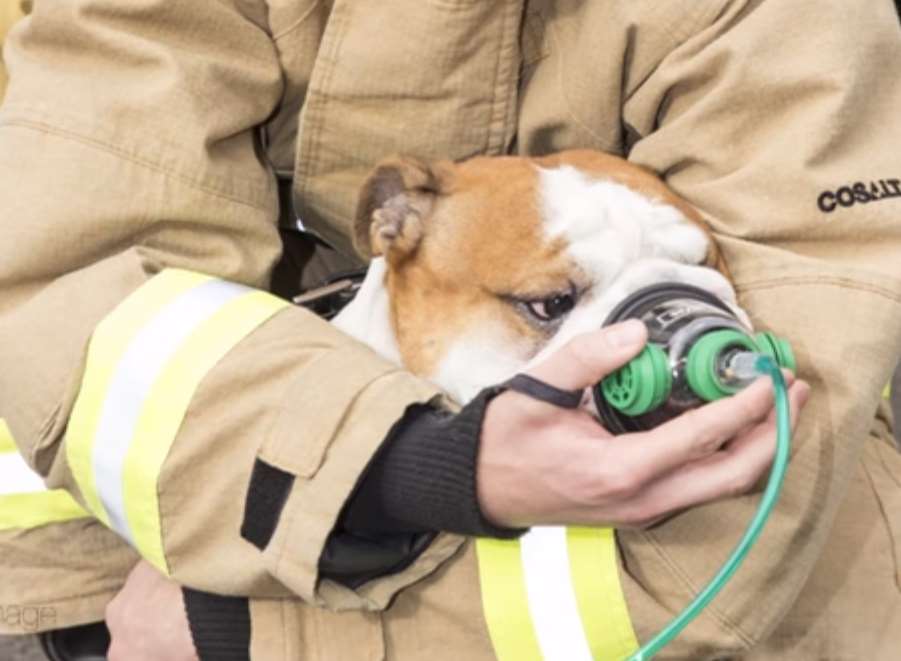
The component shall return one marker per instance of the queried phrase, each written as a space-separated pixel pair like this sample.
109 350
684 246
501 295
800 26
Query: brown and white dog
482 267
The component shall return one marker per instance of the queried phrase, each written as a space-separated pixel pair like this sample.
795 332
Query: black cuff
424 477
220 626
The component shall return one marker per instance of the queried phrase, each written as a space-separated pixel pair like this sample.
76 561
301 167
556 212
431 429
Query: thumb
587 358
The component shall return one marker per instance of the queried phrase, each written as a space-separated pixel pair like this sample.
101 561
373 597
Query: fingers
727 473
586 359
702 431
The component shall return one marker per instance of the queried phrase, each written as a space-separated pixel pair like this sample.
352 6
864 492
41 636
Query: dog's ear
393 205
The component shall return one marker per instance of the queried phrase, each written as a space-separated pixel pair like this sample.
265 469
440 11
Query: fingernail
789 377
627 333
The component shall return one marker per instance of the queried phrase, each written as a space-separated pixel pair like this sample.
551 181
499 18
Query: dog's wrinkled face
491 263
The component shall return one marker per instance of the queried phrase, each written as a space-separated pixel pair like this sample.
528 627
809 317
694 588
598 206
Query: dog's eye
552 307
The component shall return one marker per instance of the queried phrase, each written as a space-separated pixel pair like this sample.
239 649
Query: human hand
147 620
539 464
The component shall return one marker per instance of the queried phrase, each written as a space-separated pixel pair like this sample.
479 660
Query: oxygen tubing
765 366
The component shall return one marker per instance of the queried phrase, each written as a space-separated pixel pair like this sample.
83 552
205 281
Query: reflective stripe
145 362
7 444
25 502
602 605
166 406
110 340
33 510
552 600
505 604
555 595
136 374
17 477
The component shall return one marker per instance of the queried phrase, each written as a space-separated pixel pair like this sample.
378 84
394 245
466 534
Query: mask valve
698 351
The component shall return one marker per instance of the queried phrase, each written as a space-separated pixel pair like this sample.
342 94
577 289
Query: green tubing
765 365
778 349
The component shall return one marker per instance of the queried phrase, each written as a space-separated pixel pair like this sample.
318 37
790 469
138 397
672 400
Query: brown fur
476 235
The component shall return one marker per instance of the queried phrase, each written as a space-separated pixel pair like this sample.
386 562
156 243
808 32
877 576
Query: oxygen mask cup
698 350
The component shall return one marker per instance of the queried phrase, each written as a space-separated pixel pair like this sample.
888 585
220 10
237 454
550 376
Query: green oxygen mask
698 351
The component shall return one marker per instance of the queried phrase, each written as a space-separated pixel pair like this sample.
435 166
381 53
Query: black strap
545 392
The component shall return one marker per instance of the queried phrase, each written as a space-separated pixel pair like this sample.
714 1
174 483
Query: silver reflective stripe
17 477
144 360
552 601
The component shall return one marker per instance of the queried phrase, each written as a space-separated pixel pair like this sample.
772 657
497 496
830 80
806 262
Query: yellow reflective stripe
145 362
504 600
7 444
602 605
887 391
165 407
32 510
593 568
108 343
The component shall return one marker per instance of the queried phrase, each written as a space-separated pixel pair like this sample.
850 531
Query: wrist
424 479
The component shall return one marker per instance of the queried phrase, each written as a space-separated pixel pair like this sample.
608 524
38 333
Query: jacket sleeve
10 12
778 120
144 369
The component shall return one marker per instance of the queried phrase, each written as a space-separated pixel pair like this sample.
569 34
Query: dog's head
490 263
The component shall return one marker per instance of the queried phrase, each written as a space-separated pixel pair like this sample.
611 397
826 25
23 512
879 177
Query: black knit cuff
220 626
424 477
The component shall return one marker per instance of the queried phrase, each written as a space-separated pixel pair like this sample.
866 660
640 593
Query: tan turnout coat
142 134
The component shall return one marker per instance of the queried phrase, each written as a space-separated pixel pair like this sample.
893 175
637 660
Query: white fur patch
368 317
623 241
478 359
608 225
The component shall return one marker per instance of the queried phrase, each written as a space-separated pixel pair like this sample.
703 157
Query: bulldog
483 267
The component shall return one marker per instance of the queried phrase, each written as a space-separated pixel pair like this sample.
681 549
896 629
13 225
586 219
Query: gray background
20 649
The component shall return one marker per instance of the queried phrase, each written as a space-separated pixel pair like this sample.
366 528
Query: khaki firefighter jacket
140 146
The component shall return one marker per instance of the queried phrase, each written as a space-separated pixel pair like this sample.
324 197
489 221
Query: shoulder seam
42 127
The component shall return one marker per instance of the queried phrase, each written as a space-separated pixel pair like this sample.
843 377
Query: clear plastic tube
763 365
741 367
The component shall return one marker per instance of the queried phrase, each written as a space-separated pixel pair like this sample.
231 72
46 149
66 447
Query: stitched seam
310 123
880 451
41 127
834 281
283 605
567 104
297 23
501 92
456 5
887 521
677 38
534 27
294 514
79 597
512 68
687 583
43 432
